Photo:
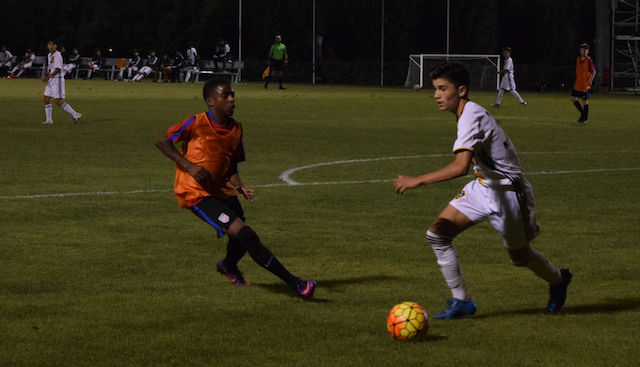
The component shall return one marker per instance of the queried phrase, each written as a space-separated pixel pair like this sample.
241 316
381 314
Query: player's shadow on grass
334 285
607 306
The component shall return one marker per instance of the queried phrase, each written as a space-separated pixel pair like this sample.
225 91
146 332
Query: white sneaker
48 122
76 118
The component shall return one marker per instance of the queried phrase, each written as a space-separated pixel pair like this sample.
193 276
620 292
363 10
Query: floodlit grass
118 275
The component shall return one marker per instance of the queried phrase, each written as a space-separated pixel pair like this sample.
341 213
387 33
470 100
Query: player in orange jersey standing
207 179
585 73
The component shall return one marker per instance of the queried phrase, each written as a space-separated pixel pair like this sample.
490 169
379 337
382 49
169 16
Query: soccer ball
416 87
407 321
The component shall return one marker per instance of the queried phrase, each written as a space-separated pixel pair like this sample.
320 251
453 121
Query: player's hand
45 79
200 174
246 192
404 183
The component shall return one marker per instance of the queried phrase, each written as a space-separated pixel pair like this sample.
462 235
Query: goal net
483 69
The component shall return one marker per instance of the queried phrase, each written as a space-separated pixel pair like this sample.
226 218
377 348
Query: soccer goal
483 69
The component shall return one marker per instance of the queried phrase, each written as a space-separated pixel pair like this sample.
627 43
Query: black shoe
581 119
281 87
558 293
235 276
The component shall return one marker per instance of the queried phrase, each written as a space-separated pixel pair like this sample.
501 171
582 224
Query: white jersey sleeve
55 62
495 159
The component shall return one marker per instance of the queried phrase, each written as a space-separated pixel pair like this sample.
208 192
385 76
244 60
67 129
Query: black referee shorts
277 65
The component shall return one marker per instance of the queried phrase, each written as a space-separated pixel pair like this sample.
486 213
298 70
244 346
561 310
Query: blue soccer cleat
457 309
558 293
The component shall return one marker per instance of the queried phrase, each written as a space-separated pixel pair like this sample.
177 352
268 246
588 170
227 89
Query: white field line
285 176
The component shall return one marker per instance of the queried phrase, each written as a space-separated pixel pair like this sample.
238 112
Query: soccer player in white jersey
500 194
191 62
508 81
55 85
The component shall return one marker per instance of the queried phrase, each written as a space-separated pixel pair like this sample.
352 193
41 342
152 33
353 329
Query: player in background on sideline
55 85
207 179
95 63
585 73
152 60
22 66
500 193
508 81
278 57
72 62
132 67
192 62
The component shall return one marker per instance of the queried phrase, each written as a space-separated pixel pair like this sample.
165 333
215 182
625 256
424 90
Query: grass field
99 266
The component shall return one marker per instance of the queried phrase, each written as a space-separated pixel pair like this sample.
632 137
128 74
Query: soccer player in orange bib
585 73
207 179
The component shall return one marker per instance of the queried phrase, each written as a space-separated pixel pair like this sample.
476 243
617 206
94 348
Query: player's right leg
440 235
48 109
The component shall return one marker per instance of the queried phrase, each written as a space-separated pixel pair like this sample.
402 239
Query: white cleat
76 118
48 122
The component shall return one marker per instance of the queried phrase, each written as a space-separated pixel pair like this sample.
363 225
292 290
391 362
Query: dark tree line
539 31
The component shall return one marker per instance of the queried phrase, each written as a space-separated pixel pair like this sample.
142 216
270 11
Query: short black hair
584 45
211 85
452 71
507 49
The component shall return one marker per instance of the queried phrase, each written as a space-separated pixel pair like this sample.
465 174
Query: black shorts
219 213
583 95
277 65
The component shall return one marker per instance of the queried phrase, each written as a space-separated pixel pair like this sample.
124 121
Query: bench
39 66
208 67
108 66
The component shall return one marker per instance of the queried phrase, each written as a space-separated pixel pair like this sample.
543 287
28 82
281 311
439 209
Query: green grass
116 277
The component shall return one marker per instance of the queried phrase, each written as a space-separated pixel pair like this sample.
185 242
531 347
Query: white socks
544 268
68 109
48 112
449 264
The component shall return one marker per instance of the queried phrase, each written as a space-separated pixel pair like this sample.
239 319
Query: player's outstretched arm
459 167
166 146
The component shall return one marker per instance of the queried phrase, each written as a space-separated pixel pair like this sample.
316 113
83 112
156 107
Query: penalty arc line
285 176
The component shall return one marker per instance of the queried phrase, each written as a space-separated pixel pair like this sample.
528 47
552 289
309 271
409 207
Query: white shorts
69 67
508 82
508 208
146 70
55 88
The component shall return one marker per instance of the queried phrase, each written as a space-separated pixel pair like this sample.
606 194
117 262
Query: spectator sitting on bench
71 62
23 65
176 67
164 67
95 63
223 54
133 66
152 60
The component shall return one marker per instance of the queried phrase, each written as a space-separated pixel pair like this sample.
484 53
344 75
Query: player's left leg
220 215
518 226
517 95
585 109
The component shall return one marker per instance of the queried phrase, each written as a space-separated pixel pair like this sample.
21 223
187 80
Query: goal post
483 69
